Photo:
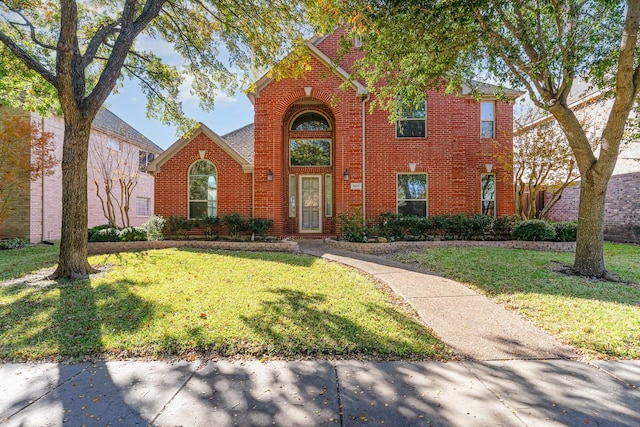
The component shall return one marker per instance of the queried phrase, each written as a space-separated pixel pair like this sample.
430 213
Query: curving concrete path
473 325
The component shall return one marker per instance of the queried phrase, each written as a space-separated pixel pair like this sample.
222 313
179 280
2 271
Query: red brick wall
234 185
452 154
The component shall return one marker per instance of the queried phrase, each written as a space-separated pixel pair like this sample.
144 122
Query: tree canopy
78 52
542 46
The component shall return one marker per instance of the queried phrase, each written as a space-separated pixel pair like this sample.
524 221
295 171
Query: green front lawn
19 262
600 318
196 304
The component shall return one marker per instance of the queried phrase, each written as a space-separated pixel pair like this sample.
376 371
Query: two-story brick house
315 150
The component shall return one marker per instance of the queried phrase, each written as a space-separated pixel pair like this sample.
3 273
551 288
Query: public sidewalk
321 393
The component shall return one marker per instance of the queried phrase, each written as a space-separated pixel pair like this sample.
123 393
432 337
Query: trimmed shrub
15 243
351 227
235 223
259 226
154 226
105 235
179 225
565 231
133 234
208 223
390 226
92 230
502 227
534 230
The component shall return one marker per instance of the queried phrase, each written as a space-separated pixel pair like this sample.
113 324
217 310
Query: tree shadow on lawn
295 325
290 258
67 327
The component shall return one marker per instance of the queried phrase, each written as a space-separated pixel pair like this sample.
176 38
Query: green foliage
534 230
235 224
565 231
260 225
209 224
133 234
449 227
105 235
15 243
179 225
154 226
93 230
352 228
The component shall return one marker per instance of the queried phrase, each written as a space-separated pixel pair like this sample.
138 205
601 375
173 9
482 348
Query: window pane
487 110
328 202
198 210
411 207
487 130
310 152
413 111
412 186
198 188
411 129
488 207
488 186
310 121
142 206
292 195
202 167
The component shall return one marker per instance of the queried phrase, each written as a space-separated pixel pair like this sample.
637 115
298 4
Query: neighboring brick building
315 151
37 213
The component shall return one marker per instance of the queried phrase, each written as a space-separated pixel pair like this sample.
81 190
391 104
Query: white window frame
357 42
189 200
403 119
114 144
492 121
426 191
147 206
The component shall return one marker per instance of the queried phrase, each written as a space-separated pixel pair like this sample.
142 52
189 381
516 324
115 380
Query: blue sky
230 113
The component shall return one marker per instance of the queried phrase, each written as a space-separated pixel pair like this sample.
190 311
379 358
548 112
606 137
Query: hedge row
392 227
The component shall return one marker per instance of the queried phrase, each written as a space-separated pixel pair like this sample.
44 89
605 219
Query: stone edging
98 248
385 248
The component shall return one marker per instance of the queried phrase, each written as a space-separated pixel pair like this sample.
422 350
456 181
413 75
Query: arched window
203 189
310 121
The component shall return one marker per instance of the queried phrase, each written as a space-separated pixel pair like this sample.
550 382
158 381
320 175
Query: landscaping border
386 248
99 248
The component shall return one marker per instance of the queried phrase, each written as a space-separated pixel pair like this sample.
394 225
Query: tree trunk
73 263
589 260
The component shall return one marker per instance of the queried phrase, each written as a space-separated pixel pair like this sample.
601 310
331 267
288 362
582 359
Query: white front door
310 204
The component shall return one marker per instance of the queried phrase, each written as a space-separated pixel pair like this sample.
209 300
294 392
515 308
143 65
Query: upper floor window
203 189
311 121
144 158
413 121
114 144
357 42
487 119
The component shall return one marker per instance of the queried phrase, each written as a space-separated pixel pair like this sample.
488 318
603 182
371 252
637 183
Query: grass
600 318
31 258
187 303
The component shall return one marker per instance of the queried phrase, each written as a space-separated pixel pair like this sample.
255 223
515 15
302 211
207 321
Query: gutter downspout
364 181
253 197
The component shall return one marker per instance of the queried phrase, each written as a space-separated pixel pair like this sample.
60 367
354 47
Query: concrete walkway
473 325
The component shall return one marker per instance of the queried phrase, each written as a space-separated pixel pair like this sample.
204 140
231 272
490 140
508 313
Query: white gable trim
361 90
181 143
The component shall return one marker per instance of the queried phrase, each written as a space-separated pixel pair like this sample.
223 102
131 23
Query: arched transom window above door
310 140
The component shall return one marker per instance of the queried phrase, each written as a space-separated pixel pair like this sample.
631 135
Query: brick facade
38 214
452 154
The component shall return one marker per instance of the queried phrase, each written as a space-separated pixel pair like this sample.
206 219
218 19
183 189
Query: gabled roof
238 144
109 123
322 57
487 89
